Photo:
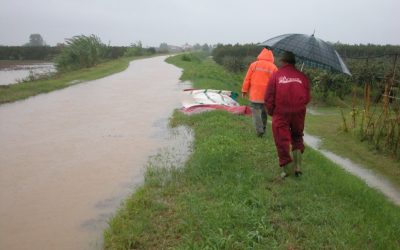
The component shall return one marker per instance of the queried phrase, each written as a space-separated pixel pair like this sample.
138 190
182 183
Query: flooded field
68 158
12 72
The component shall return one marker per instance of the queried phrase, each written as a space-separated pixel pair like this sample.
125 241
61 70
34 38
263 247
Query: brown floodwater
68 158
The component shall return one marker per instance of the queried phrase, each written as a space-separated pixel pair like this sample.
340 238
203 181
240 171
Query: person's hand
244 94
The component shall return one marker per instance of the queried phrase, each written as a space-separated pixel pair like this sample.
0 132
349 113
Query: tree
136 49
164 47
36 40
205 48
196 47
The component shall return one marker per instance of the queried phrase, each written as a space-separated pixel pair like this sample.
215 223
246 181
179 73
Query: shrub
193 57
233 64
80 52
28 52
136 49
113 52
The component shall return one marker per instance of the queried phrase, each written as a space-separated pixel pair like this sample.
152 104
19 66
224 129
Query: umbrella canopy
312 51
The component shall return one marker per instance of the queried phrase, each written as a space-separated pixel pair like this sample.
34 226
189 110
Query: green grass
228 195
327 125
14 92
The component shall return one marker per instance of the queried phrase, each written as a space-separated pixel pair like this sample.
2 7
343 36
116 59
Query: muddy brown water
68 158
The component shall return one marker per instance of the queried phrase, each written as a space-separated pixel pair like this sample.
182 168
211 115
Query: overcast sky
122 22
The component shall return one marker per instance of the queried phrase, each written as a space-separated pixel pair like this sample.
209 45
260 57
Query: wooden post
386 99
367 98
367 91
388 86
354 107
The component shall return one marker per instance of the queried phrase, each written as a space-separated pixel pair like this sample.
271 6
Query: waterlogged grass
228 196
14 92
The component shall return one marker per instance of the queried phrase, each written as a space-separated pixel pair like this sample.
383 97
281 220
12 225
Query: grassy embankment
14 92
228 195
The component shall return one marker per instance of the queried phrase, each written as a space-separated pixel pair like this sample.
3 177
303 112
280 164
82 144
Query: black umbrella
310 50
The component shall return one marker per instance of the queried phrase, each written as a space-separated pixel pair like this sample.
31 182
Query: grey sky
123 22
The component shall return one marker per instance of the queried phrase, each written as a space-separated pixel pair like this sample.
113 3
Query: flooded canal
68 158
14 71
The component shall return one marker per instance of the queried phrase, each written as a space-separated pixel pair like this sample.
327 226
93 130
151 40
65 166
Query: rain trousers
286 98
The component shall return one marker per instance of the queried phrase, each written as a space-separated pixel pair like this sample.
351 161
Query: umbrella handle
302 65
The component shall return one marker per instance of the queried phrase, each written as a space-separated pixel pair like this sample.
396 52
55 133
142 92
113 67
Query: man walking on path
286 99
255 84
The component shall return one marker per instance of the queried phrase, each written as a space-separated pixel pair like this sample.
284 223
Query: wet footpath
370 177
68 158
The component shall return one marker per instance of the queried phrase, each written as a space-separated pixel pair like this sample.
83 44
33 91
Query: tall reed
381 128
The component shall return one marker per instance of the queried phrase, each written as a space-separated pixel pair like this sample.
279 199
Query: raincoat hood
266 55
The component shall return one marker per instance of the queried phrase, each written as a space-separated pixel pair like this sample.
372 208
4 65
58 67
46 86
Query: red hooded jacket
288 91
258 74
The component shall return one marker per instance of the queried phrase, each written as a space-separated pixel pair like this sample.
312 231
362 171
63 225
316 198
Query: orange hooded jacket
258 75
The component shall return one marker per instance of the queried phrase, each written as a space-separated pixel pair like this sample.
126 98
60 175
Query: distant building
164 47
187 47
174 49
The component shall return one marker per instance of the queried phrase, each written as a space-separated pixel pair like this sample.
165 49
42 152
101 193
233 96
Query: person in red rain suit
286 98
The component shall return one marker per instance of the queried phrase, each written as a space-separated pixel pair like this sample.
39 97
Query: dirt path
69 157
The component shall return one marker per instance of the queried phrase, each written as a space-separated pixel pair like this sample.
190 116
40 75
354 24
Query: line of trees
136 49
235 58
49 52
365 50
35 49
28 52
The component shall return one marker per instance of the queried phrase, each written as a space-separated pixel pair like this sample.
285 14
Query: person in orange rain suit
286 99
255 84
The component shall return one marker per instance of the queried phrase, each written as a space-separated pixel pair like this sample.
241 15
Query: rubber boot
297 162
287 170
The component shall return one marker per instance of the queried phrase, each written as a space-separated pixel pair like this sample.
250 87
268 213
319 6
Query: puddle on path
68 158
372 179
